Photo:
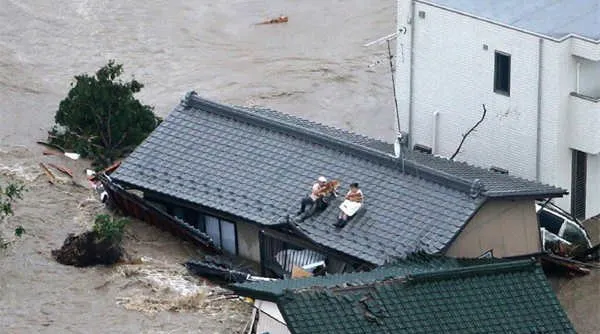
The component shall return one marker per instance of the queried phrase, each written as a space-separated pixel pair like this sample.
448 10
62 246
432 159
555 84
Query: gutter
411 74
538 135
525 194
528 32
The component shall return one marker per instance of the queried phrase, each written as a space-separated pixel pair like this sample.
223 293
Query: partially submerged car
562 234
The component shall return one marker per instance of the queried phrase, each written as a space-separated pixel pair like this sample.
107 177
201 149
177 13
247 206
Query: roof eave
254 293
526 194
200 206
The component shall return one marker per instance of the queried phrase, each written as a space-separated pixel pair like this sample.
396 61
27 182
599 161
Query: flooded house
238 175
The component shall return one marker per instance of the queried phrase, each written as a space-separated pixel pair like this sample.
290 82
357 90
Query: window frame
220 227
497 77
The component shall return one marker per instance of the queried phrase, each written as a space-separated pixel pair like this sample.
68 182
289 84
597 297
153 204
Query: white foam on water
171 281
27 173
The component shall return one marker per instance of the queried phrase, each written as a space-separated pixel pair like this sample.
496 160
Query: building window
502 73
578 183
222 232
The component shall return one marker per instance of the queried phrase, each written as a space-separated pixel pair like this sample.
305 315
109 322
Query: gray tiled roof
494 184
553 18
350 137
257 166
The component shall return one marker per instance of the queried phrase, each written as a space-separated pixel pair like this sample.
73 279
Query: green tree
100 118
8 195
107 228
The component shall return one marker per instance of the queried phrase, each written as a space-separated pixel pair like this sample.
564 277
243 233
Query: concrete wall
588 80
248 243
445 65
270 319
592 206
454 75
558 80
506 227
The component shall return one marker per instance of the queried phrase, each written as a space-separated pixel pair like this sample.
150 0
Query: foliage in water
8 195
100 118
109 228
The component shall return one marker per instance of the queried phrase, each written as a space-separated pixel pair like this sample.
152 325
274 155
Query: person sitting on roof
352 203
316 196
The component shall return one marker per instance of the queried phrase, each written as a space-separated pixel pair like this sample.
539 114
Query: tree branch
464 136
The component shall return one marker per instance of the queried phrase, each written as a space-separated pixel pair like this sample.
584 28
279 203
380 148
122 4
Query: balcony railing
584 123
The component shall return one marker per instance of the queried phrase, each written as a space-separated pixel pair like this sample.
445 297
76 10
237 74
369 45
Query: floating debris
281 19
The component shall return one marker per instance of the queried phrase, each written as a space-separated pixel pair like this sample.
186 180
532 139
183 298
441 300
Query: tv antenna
387 39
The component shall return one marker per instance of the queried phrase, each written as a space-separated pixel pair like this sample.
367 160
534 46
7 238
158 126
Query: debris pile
87 249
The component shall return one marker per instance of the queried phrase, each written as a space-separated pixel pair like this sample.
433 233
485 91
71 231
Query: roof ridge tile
410 167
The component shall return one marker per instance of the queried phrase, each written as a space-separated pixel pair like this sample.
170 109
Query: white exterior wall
558 81
453 75
270 319
592 205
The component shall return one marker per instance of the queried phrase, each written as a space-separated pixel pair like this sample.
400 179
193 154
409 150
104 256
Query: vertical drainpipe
411 74
578 73
434 132
538 139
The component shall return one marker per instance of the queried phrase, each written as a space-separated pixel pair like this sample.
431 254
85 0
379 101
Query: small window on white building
502 73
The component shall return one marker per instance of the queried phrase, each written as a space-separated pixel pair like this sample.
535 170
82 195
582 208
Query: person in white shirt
312 198
352 203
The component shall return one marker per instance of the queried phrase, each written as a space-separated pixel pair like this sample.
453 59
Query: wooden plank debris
51 177
64 170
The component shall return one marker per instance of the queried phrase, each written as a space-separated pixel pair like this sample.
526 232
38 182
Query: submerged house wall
235 237
506 227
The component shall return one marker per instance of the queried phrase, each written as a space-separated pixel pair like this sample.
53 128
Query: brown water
314 66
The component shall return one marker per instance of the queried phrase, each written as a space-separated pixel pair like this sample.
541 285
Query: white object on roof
350 207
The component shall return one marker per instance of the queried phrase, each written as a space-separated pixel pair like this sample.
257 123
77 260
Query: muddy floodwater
314 66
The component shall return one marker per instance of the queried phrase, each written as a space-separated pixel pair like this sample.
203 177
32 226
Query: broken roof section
501 297
257 164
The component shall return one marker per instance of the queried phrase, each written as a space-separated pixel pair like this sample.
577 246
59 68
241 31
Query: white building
535 64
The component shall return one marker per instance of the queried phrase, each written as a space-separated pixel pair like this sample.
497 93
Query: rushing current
315 66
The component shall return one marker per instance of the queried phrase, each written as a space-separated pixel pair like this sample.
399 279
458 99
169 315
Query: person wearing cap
312 198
